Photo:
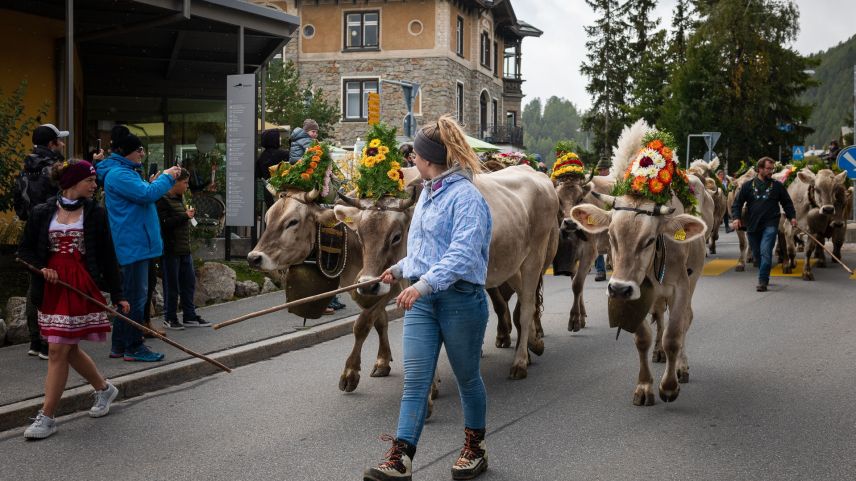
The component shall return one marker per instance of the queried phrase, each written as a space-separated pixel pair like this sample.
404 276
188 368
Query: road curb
76 399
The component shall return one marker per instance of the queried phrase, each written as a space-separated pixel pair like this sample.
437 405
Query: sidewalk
22 376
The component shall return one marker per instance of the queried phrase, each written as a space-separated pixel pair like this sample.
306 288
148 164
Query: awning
481 145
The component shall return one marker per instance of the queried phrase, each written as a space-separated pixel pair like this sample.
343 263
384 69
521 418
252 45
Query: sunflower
375 143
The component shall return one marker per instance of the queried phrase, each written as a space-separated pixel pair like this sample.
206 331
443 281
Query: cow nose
828 209
254 259
837 224
619 291
370 290
568 225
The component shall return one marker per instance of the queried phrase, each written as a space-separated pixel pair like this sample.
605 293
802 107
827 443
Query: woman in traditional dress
68 238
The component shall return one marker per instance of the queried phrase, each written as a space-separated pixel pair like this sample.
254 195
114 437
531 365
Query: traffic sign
374 108
799 152
847 161
711 138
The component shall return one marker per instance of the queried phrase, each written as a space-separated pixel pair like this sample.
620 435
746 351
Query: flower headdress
567 162
311 172
509 159
653 172
380 165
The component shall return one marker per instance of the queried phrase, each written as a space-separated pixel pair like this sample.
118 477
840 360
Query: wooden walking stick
825 249
128 320
296 302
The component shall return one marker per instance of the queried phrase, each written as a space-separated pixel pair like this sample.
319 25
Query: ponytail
449 133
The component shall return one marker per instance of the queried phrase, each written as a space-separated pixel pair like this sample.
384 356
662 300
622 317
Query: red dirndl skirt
65 316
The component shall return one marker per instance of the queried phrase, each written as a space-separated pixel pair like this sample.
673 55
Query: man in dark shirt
762 197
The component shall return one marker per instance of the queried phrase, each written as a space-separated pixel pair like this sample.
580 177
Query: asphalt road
770 397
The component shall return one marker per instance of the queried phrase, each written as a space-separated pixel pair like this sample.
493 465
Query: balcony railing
512 86
503 134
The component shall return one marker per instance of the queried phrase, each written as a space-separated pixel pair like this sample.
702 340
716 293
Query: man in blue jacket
136 233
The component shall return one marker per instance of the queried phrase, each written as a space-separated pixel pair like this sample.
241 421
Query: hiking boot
103 399
42 427
762 287
398 462
473 459
143 354
600 277
196 322
173 324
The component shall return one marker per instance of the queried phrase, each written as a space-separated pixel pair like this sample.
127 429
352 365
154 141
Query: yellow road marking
718 267
776 271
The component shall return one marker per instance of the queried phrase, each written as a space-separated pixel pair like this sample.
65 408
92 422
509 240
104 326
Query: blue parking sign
799 152
847 161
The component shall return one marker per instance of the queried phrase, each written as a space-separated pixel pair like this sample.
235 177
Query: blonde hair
447 132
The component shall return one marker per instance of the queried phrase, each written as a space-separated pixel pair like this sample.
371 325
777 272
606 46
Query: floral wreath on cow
510 159
312 172
654 173
567 162
379 168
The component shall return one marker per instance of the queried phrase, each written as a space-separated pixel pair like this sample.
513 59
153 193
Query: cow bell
304 280
628 314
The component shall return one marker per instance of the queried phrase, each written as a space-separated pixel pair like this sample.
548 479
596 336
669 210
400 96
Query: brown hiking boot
398 464
473 459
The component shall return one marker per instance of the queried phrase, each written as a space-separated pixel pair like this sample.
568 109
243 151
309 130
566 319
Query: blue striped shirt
449 235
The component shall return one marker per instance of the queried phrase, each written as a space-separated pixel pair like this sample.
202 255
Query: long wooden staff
297 302
126 319
827 250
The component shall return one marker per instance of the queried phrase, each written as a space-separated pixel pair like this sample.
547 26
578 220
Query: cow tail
539 299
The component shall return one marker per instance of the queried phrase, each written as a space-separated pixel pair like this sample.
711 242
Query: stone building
464 54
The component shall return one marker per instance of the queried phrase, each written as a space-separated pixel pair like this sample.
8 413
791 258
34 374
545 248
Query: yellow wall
328 21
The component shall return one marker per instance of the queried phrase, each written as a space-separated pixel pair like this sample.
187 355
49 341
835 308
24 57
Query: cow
706 172
743 242
583 247
820 202
523 242
634 225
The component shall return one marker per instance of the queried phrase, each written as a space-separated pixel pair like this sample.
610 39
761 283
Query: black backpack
32 187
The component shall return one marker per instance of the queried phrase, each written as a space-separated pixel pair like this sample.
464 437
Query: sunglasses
141 149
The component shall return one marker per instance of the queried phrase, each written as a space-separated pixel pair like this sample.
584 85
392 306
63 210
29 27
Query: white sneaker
42 427
103 399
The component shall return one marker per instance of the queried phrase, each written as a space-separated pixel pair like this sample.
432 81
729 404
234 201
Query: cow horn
591 176
607 199
311 195
405 204
349 200
663 210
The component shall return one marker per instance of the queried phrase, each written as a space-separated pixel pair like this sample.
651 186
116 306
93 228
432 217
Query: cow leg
643 394
741 261
525 289
714 236
683 367
807 274
657 316
435 391
577 318
838 236
673 341
384 354
819 254
350 377
503 324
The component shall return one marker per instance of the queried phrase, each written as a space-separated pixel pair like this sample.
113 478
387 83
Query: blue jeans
762 243
456 318
135 284
600 264
179 281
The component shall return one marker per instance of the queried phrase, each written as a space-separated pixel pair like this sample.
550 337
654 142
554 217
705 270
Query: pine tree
607 69
682 24
649 68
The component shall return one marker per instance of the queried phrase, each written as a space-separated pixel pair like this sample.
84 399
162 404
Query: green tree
290 101
739 78
15 130
607 68
682 24
542 127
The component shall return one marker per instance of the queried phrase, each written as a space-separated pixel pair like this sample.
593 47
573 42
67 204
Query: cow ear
590 218
325 217
806 176
841 177
349 215
683 228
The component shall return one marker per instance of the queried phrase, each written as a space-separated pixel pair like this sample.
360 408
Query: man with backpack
33 187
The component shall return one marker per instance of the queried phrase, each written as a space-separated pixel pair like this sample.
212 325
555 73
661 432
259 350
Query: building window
308 31
511 118
459 102
485 50
355 98
495 59
459 36
495 113
362 30
415 27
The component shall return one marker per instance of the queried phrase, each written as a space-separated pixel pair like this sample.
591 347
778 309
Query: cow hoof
503 342
807 276
786 269
643 397
669 395
740 268
349 381
659 355
517 372
435 391
430 408
683 376
380 371
537 346
582 322
713 250
539 333
574 324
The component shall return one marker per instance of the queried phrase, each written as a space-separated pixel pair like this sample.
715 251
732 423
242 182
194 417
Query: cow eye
396 239
648 243
291 224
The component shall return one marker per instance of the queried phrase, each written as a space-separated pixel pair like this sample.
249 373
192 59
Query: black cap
44 134
126 144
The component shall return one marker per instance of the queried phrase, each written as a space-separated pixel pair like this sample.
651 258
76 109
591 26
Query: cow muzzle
827 209
376 289
260 260
627 290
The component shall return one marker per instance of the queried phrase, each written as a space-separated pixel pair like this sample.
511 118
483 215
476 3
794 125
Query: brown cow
745 251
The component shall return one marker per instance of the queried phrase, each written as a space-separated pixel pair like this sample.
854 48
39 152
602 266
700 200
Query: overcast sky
551 63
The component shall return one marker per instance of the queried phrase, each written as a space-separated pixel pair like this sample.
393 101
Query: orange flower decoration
627 172
667 152
665 176
655 144
304 176
316 158
313 164
670 166
639 183
655 186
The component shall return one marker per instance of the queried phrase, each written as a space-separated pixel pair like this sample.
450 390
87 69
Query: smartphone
98 147
153 169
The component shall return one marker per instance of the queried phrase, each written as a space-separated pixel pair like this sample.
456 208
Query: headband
432 151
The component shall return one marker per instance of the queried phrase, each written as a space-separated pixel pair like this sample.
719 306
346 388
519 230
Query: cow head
571 191
634 225
291 225
827 193
382 227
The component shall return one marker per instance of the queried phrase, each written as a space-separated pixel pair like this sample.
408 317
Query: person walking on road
136 233
763 197
69 240
446 304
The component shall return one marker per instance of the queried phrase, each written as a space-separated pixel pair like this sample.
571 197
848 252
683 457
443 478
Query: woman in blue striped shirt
446 263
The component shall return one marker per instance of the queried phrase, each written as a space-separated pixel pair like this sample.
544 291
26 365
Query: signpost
710 138
240 144
798 152
374 108
847 163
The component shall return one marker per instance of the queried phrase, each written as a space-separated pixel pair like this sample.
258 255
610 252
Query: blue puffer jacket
300 141
131 208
